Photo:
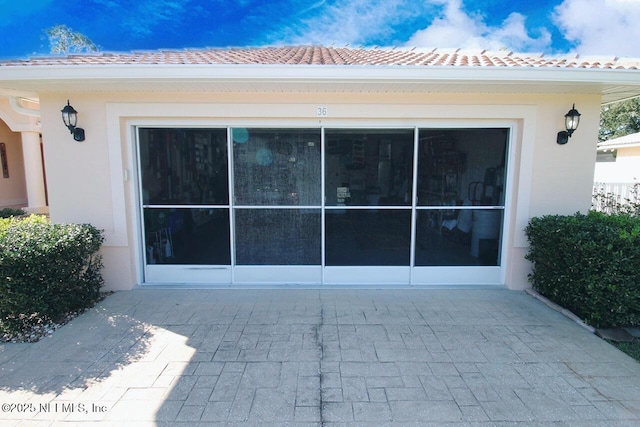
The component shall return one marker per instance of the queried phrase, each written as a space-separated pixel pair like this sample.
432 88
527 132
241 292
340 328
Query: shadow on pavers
308 357
88 348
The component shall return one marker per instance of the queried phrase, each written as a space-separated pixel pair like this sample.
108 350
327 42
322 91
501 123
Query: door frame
339 275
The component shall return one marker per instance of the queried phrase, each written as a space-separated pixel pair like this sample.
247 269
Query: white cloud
607 27
456 29
601 27
346 22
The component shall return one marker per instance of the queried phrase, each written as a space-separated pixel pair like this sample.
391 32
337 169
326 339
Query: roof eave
239 71
617 146
86 77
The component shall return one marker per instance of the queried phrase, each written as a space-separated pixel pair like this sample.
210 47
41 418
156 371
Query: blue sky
586 27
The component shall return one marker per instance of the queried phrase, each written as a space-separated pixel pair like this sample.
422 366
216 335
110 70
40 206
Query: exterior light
571 122
70 118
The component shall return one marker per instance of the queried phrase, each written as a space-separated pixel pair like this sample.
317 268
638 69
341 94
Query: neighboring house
617 168
618 160
311 165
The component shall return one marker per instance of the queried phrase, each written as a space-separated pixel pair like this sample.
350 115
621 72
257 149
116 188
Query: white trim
367 275
323 203
16 102
269 274
525 132
159 273
627 141
117 236
414 200
274 207
260 73
137 207
612 84
358 115
232 211
521 120
458 275
9 119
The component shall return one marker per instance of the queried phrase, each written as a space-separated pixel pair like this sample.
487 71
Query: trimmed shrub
46 271
9 212
589 264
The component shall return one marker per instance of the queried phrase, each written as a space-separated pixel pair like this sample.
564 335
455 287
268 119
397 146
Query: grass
631 348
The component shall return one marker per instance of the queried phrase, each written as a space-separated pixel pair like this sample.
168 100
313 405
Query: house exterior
618 160
20 137
311 166
617 168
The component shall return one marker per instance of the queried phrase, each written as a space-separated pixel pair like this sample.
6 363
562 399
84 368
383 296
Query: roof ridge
330 55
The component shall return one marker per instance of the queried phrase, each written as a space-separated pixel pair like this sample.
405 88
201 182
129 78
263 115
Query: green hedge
46 271
589 264
9 212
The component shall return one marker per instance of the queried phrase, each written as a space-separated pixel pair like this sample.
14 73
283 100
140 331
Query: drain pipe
15 103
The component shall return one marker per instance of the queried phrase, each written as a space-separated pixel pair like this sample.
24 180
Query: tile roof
319 55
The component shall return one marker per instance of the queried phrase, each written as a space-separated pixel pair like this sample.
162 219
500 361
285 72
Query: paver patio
319 358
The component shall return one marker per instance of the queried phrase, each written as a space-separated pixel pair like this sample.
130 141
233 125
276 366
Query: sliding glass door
322 205
185 205
460 205
368 196
277 205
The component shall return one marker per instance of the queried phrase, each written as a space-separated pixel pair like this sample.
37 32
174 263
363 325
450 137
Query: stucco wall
94 181
625 169
13 190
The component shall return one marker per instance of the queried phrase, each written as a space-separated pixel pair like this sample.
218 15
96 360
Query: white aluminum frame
322 274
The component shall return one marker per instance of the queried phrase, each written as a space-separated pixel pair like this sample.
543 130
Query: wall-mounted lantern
70 119
571 122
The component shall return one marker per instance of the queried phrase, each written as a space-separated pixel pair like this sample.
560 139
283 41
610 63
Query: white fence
609 195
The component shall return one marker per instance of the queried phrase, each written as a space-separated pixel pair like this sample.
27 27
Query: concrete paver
319 358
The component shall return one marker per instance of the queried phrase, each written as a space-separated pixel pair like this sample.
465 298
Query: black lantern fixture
70 118
571 122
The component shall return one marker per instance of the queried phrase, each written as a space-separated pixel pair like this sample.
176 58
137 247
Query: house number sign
322 112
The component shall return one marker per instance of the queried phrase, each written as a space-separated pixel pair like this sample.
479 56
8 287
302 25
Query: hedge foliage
589 264
9 212
46 271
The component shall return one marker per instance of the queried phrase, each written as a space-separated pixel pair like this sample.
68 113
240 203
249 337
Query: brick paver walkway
319 358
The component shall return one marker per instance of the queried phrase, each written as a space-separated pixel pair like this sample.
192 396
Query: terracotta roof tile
319 55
